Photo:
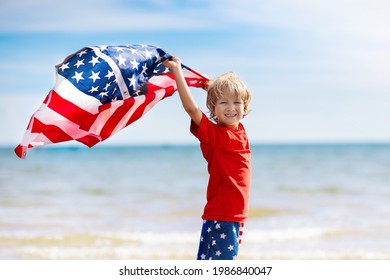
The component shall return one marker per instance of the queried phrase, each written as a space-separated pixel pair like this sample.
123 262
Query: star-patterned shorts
219 240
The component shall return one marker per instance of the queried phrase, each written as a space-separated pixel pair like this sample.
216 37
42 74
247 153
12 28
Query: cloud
97 16
367 19
332 18
343 41
317 69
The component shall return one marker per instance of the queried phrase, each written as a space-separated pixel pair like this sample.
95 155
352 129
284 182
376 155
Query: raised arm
186 97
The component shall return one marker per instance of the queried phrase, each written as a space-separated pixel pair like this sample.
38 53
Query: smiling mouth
230 115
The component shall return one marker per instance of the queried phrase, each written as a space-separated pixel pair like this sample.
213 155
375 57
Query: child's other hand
172 63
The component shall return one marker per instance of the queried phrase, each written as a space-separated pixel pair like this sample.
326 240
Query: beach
317 201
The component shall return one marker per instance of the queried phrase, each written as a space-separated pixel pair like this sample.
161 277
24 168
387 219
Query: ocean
320 201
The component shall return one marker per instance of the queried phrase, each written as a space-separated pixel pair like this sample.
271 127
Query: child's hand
207 84
172 63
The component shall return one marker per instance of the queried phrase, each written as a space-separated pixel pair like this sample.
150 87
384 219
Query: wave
289 243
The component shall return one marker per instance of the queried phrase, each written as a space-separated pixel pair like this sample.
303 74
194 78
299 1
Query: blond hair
228 82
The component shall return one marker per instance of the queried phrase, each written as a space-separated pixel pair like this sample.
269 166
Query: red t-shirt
228 156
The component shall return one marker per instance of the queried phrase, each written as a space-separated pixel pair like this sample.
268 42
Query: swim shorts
219 240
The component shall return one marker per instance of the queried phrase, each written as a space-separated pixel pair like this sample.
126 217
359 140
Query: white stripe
117 72
32 138
162 81
189 74
29 138
39 140
159 95
104 116
50 117
69 92
139 100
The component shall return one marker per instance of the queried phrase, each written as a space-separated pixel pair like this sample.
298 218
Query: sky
319 71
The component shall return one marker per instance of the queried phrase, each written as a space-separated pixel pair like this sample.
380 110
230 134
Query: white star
95 76
122 60
231 247
79 63
64 66
109 74
82 53
217 226
144 68
222 236
133 80
107 86
94 60
158 57
104 93
148 54
78 76
213 243
119 49
218 253
135 64
208 230
203 256
93 89
134 51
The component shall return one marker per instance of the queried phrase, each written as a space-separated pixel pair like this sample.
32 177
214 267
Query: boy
225 147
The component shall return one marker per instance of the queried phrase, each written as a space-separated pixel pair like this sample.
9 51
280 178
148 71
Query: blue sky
319 71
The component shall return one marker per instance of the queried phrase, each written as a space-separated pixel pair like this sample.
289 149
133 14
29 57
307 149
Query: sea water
145 202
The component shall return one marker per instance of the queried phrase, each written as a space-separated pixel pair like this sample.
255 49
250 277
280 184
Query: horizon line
187 144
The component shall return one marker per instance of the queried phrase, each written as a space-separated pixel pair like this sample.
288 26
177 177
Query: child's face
229 110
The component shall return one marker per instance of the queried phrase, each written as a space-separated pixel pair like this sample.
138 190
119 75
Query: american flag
99 91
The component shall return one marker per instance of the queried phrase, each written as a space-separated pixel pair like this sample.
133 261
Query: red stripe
19 151
52 132
241 232
47 98
168 90
138 113
88 122
89 140
194 82
121 111
67 109
149 98
116 117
